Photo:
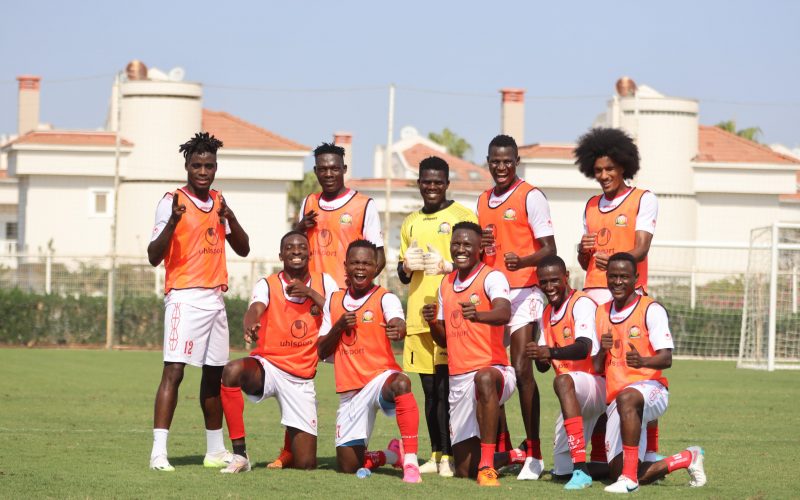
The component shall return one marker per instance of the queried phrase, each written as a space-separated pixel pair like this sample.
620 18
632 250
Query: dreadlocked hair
202 142
610 142
329 148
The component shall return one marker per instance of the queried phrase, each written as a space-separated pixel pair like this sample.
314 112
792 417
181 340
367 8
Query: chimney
512 114
28 117
345 140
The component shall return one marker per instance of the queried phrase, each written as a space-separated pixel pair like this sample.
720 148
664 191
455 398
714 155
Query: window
11 230
101 202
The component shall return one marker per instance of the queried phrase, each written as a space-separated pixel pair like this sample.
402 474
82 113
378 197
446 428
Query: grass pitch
78 424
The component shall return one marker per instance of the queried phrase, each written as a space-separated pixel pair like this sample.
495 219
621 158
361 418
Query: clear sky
305 69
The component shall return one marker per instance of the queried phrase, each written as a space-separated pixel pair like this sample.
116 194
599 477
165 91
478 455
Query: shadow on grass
187 460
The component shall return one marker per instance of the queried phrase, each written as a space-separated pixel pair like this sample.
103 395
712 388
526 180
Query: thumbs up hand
633 358
414 259
435 263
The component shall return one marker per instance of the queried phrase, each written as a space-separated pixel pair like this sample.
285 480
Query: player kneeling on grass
283 319
358 325
635 347
469 320
568 342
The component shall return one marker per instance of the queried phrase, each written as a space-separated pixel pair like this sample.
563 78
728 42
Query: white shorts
590 391
527 305
656 399
195 336
464 403
296 397
357 409
603 295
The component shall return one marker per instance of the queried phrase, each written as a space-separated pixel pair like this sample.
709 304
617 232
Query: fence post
794 289
156 276
693 291
773 299
48 273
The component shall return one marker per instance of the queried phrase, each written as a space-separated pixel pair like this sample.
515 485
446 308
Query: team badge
444 228
315 310
474 299
299 329
325 238
510 214
346 219
634 332
621 221
567 333
212 236
368 317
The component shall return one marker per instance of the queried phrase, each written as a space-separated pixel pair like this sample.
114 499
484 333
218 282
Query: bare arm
661 361
252 321
599 359
641 245
238 239
158 247
548 247
328 343
381 260
498 315
437 327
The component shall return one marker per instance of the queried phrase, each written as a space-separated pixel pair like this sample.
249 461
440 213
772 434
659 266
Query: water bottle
363 473
492 249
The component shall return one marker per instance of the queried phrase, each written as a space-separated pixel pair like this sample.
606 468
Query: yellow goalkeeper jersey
436 230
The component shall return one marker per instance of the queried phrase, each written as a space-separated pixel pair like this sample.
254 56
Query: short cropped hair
553 260
362 244
624 257
504 141
434 163
329 148
610 142
469 226
292 233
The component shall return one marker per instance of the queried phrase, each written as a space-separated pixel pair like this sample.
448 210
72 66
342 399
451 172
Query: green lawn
78 424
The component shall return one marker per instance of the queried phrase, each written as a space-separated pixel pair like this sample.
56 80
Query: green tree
456 145
298 190
750 133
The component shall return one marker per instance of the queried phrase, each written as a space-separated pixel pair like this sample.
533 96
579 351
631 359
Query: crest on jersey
621 221
567 332
444 228
634 332
603 237
349 337
510 214
346 219
456 318
368 317
299 329
325 238
475 299
212 236
315 310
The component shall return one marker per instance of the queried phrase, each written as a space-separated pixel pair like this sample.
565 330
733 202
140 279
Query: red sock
487 455
517 456
407 415
577 445
534 448
680 461
630 462
503 442
599 447
652 439
233 407
374 459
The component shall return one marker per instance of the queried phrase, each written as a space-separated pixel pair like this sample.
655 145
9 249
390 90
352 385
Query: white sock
410 458
391 457
159 442
215 442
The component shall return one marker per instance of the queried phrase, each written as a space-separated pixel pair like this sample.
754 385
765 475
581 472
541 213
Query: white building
62 181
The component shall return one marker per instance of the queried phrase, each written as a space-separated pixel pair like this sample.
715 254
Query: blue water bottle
363 473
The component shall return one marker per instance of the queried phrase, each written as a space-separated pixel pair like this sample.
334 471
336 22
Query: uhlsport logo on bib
603 237
212 236
349 337
368 317
510 214
299 329
456 318
325 238
621 221
634 332
346 219
444 228
567 332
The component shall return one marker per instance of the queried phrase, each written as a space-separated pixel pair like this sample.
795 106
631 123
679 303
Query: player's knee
485 385
231 374
401 384
563 384
628 401
173 374
524 371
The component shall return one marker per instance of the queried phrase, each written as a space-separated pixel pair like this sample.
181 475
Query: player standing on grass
358 326
472 308
424 258
188 237
635 347
568 342
283 320
621 219
517 234
337 216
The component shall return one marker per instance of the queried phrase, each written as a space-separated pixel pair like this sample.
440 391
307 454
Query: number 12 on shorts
187 347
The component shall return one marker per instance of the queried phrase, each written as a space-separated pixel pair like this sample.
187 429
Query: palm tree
456 146
298 190
750 133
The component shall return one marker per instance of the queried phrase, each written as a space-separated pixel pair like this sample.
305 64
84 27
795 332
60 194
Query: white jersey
372 222
646 216
656 320
537 207
392 308
261 289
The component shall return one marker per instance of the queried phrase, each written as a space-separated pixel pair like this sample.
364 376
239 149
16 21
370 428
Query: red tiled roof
68 138
548 151
237 133
373 184
717 145
460 170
